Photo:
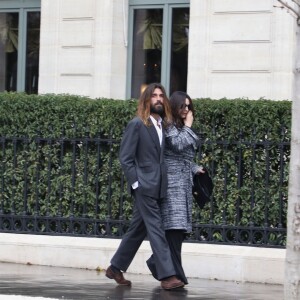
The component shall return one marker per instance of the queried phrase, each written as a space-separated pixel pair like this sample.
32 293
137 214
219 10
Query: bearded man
142 159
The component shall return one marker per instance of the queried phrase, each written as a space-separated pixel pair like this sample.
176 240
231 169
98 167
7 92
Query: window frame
22 7
167 7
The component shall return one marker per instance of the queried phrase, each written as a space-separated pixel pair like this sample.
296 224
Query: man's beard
157 109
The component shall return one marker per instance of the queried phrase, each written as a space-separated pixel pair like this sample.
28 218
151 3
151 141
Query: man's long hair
177 102
143 110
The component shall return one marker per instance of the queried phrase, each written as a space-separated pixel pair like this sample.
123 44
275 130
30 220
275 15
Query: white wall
237 48
82 48
217 262
240 48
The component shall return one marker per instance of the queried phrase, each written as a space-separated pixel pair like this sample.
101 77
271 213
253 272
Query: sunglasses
184 106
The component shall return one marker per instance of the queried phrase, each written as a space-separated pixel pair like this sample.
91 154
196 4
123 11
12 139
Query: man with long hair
141 157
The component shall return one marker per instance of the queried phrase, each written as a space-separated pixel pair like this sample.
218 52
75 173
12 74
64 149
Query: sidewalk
18 282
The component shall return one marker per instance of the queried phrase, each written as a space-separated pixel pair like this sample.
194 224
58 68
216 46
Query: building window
19 46
158 45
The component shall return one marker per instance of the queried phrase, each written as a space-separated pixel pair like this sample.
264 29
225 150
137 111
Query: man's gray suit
141 157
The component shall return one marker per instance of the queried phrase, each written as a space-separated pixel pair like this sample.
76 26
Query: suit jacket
141 157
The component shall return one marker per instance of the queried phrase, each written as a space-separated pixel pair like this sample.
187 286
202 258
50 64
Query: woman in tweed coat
176 208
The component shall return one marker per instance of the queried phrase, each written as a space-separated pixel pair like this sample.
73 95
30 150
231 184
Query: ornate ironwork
74 186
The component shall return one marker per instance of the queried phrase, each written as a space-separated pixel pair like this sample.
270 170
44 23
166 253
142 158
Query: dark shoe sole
124 284
174 287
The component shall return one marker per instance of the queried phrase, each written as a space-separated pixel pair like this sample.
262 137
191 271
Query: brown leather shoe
171 283
117 276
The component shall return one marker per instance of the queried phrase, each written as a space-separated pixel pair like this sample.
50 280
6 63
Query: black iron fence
75 186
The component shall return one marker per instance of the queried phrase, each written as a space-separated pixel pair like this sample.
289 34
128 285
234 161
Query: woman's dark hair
177 102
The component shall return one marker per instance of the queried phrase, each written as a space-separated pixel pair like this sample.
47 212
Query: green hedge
259 129
236 122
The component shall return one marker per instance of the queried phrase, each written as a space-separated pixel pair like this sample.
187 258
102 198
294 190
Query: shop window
158 46
19 47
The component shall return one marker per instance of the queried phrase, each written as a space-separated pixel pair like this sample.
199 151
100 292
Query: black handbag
202 188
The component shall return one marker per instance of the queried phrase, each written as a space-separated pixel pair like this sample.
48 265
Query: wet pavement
18 282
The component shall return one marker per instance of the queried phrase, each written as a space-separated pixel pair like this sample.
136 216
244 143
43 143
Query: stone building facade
233 48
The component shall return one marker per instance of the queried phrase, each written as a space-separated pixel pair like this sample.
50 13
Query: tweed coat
176 208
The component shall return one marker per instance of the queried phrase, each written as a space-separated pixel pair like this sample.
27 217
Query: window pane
147 43
9 23
32 52
179 49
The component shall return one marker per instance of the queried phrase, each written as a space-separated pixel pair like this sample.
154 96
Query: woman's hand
200 170
188 121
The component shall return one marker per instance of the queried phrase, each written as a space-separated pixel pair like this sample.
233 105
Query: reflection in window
9 24
32 52
148 52
9 48
147 44
179 49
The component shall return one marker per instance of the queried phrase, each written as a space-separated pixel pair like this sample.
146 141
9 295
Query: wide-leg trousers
175 239
146 221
